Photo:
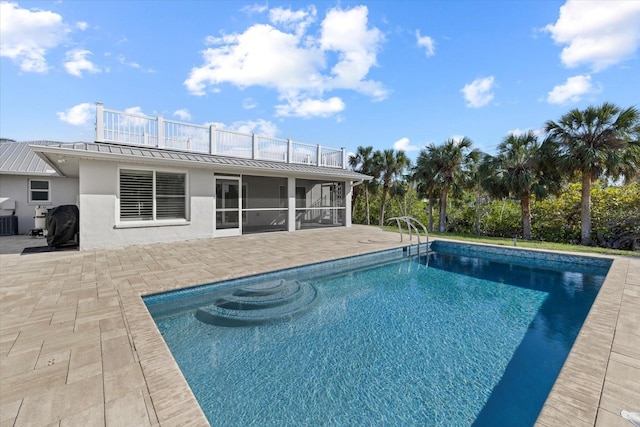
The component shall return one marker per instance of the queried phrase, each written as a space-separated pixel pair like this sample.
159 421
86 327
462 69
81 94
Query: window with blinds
139 188
39 190
170 195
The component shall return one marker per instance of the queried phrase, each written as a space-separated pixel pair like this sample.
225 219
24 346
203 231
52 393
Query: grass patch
526 244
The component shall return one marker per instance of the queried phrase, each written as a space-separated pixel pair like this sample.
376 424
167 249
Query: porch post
291 213
344 158
289 151
347 202
319 162
99 122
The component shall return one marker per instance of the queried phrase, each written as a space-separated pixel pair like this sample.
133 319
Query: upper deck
120 127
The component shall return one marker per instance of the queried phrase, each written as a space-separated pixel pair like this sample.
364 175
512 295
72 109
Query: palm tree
389 163
481 173
425 177
519 169
596 142
400 189
363 162
449 165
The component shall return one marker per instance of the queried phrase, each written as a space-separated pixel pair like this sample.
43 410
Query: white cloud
404 145
597 33
121 59
298 20
182 114
218 125
134 110
78 115
131 121
479 93
249 104
311 107
300 64
255 8
346 32
516 132
520 132
26 35
572 90
426 42
77 62
81 25
260 126
262 55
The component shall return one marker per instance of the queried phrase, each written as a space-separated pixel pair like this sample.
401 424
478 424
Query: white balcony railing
120 127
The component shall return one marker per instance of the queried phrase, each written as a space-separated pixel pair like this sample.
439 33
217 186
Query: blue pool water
476 338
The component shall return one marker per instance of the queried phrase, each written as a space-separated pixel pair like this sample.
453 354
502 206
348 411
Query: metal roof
146 154
17 158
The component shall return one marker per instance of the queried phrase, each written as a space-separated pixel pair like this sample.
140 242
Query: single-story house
148 180
28 183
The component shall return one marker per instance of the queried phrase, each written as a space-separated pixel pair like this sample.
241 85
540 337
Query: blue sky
390 74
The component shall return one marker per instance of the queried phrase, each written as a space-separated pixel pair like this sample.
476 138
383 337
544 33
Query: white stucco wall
98 209
62 191
98 204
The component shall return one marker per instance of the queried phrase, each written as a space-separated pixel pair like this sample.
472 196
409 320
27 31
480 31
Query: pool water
468 340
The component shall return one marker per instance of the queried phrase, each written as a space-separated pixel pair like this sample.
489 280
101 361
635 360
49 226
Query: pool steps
260 303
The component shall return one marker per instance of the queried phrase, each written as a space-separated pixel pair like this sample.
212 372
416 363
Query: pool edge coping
577 392
166 383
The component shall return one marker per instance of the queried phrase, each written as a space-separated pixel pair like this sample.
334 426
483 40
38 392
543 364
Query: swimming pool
476 338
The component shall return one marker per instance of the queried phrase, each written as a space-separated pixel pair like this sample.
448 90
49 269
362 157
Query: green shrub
615 215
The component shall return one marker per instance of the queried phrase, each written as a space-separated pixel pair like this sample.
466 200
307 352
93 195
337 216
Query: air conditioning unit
8 225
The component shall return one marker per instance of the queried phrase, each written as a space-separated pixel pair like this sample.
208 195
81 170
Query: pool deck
78 347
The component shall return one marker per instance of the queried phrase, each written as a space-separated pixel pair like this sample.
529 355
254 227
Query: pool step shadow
260 303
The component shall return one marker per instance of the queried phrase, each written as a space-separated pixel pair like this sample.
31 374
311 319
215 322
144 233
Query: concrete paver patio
78 347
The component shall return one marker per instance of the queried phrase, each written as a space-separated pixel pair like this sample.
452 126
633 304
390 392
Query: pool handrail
411 223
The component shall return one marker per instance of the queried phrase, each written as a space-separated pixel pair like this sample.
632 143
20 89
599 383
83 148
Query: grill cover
62 225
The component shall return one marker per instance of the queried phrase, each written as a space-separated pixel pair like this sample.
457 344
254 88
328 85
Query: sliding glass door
227 206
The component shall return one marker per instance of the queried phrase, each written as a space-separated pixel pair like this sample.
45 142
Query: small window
39 191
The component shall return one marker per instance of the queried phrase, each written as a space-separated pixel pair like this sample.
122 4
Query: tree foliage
446 168
615 209
520 170
363 162
597 142
615 216
389 164
503 195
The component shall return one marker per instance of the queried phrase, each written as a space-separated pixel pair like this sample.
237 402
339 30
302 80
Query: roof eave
46 152
22 173
48 161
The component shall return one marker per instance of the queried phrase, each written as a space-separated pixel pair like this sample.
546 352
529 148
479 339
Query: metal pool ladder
411 224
